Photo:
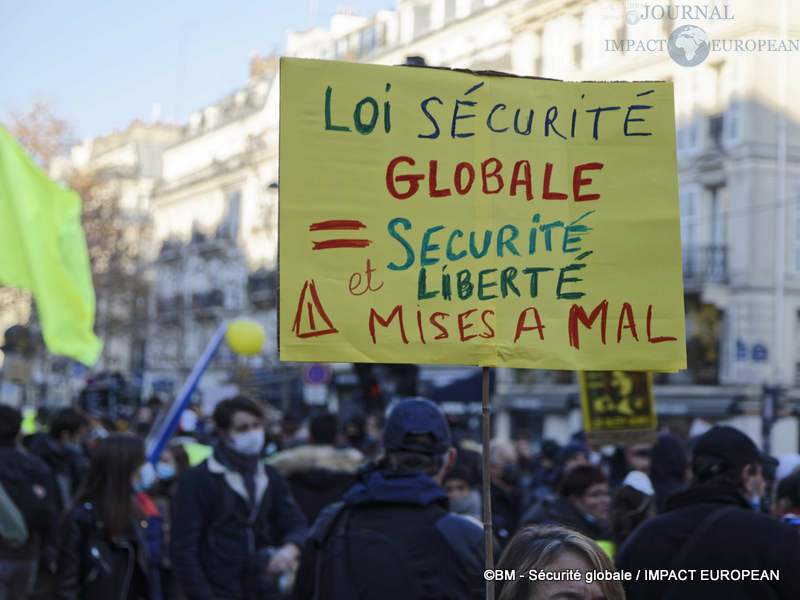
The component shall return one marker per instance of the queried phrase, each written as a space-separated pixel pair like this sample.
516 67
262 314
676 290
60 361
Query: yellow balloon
245 336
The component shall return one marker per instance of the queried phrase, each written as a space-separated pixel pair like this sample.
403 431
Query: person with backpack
28 483
392 536
235 525
111 542
716 528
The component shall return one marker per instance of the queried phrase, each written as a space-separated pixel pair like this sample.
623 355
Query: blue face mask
165 471
147 477
73 447
755 502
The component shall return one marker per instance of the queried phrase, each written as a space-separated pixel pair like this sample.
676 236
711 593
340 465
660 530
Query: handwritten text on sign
431 216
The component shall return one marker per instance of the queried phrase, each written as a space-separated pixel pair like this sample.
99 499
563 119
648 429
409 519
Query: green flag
42 249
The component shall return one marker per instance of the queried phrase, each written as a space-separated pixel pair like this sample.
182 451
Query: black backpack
357 563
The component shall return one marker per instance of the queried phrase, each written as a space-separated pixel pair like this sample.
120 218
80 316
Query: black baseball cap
729 448
416 416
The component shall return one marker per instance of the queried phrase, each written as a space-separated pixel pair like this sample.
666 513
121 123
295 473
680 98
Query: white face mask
250 442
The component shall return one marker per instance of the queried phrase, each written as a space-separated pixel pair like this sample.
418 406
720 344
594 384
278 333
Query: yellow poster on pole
437 216
617 405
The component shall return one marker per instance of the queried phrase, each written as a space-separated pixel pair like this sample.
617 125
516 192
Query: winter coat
392 538
556 510
68 467
28 482
318 475
712 527
93 567
668 468
506 512
218 533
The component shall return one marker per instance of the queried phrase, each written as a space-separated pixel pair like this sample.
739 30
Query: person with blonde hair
555 562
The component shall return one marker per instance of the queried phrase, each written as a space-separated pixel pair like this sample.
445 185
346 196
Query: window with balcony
703 233
715 125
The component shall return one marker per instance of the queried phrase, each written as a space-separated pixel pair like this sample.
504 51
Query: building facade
738 147
215 235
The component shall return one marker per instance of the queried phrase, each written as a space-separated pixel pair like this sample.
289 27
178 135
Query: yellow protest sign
435 216
617 404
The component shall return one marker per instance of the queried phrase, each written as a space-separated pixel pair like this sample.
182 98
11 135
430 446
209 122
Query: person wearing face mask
462 485
62 449
235 523
715 525
582 503
111 543
172 463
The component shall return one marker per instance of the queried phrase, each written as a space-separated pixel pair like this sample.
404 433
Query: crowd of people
247 505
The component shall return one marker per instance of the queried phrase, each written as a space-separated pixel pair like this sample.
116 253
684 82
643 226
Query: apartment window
449 10
794 202
797 374
690 218
718 207
367 39
715 125
229 227
731 127
577 54
422 19
688 139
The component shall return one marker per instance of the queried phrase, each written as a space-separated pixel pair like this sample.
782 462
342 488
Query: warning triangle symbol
310 320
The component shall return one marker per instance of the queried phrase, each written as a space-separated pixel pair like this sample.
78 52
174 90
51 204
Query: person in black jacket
319 473
393 537
110 548
714 528
235 524
507 496
28 482
582 503
668 469
62 449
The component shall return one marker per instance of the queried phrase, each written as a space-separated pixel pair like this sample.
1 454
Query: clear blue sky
102 63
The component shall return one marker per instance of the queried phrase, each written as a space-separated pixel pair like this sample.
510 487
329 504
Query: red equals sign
339 225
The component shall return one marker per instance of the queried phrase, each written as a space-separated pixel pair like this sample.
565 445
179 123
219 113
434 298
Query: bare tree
40 132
